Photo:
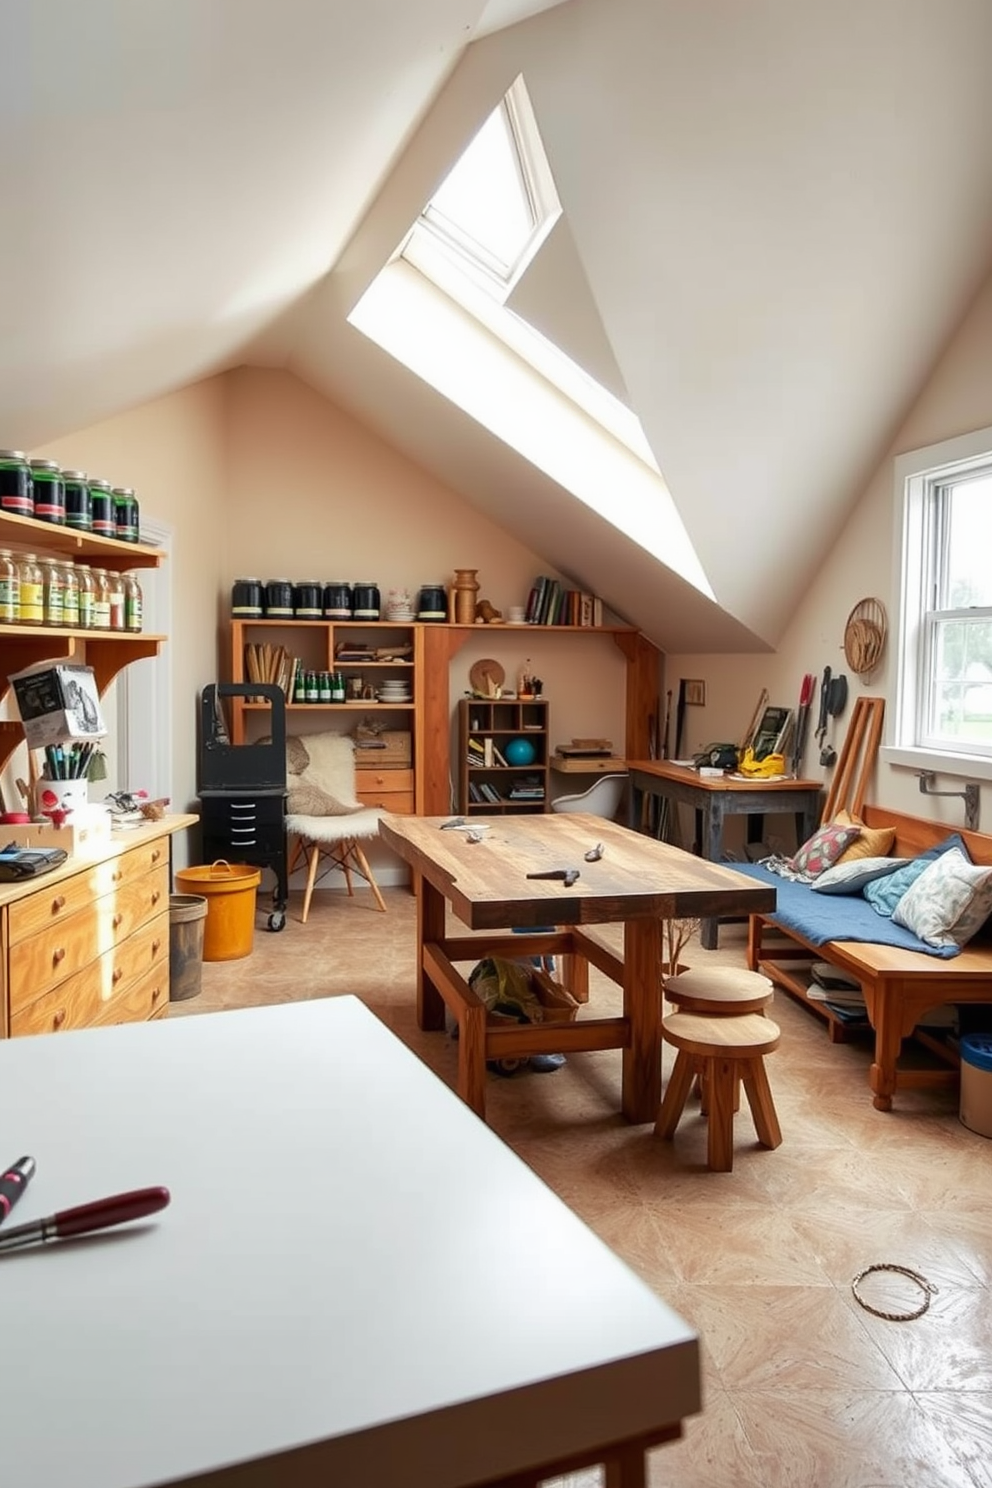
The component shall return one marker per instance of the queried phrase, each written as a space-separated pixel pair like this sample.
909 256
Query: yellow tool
763 769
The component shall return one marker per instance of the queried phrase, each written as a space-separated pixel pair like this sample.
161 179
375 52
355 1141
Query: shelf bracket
970 796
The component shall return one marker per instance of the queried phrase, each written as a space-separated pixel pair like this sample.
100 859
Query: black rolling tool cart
242 789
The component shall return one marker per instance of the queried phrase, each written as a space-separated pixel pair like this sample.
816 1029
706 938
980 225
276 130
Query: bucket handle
219 863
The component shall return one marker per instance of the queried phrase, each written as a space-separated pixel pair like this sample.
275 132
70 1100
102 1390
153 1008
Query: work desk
356 1282
638 882
714 798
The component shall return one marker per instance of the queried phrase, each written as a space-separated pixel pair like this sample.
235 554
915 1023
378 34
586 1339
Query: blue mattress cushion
819 918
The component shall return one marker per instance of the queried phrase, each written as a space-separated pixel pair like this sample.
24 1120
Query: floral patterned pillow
948 903
823 849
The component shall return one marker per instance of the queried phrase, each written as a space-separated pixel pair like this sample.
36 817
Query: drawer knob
156 993
58 955
156 896
117 921
156 854
118 973
58 903
156 947
116 876
59 1018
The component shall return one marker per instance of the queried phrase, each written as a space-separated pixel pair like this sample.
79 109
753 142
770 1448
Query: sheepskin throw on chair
324 816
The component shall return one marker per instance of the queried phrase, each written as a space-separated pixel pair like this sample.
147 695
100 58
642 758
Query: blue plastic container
976 1083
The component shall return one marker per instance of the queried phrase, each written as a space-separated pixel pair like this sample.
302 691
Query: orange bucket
229 889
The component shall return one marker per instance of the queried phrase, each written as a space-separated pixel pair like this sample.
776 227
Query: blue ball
519 752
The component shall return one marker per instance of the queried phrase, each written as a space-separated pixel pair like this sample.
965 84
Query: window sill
967 766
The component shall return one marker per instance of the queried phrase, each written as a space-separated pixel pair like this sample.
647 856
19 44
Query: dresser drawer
53 903
392 790
103 989
45 959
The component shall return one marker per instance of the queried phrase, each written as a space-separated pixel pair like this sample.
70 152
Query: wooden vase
466 588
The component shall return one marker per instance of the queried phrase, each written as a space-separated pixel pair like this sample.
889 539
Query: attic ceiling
777 214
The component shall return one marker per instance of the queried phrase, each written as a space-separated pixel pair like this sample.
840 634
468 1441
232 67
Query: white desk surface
352 1264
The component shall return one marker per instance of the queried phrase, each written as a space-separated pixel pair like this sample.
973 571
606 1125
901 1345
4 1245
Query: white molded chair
601 799
321 775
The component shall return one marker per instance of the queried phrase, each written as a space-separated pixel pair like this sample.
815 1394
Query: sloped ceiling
781 211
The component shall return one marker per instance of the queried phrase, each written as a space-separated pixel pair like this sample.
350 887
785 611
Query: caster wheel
506 1067
277 920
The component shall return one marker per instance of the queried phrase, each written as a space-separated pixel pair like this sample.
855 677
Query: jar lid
99 485
46 465
122 490
248 581
79 475
279 581
12 455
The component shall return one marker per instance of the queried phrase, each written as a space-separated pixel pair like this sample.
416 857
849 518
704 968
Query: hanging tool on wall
802 721
833 701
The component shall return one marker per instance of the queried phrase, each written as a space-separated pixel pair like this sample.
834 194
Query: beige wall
956 400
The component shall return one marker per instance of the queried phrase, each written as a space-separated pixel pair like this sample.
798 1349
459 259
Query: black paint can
246 599
337 601
308 600
365 601
16 486
433 603
279 599
49 492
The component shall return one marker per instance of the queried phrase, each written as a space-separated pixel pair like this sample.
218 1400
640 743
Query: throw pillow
884 894
847 877
822 850
948 903
873 842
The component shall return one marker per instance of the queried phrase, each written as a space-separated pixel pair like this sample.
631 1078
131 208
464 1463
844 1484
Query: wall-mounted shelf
26 535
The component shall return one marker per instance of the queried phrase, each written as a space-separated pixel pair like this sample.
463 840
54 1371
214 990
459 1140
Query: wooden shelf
497 720
26 535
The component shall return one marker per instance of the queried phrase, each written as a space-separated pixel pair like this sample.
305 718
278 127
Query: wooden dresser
88 943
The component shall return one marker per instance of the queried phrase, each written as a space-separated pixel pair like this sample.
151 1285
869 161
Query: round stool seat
719 991
743 1037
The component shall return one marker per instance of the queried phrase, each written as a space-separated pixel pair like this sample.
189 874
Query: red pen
13 1183
100 1215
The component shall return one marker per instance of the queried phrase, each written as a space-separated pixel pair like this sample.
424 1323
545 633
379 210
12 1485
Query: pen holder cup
61 795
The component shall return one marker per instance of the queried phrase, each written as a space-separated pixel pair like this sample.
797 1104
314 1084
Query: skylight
439 306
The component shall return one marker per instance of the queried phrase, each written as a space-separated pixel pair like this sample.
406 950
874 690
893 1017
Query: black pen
13 1183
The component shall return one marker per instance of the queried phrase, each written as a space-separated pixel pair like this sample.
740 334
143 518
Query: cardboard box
58 701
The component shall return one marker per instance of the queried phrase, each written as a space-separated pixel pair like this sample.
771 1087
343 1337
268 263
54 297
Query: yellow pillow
874 842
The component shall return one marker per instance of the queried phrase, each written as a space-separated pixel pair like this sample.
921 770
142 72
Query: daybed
901 979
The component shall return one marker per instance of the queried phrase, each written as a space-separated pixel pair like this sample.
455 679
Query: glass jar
16 485
115 599
10 589
53 592
101 600
337 600
246 599
102 509
49 492
308 600
125 514
70 595
86 596
279 599
78 507
365 601
324 687
32 604
133 603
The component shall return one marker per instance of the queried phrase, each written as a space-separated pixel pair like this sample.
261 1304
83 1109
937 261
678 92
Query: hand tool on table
567 875
456 821
13 1183
85 1218
594 854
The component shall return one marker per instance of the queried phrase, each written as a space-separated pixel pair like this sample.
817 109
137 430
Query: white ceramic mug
61 795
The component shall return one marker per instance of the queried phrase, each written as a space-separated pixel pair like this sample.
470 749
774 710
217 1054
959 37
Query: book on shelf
489 792
487 753
498 755
552 602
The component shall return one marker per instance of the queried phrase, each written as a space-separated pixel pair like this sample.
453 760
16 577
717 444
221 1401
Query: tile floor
802 1386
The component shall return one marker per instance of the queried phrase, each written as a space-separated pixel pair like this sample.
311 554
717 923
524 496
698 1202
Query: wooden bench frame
899 986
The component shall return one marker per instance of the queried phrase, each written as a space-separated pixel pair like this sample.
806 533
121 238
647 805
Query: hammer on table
567 875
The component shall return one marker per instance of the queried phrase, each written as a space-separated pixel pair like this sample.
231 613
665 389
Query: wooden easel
856 760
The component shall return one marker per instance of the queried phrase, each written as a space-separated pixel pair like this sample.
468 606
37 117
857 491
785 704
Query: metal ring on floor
928 1288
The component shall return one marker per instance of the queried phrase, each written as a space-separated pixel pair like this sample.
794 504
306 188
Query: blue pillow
883 894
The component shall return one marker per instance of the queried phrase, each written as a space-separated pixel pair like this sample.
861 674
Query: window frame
920 546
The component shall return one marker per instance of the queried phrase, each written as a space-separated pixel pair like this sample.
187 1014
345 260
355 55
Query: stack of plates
402 613
395 692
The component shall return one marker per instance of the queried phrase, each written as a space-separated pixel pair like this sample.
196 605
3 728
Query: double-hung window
944 681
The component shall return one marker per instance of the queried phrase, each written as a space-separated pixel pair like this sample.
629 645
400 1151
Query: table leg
430 929
642 965
709 930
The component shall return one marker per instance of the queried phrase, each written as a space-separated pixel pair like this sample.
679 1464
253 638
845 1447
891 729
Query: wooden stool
722 1051
719 991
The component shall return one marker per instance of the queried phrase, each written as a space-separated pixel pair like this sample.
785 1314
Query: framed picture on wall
772 732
